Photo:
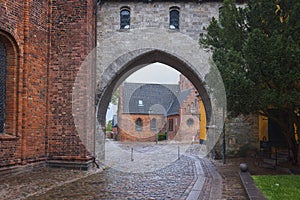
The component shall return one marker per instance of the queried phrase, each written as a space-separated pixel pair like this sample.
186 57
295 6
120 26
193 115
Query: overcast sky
154 73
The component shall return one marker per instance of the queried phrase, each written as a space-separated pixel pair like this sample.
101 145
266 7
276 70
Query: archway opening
125 65
146 118
161 97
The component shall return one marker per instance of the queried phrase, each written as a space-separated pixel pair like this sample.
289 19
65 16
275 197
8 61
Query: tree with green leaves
256 48
115 97
109 126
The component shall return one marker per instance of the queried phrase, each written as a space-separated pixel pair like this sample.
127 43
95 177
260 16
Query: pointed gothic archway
132 61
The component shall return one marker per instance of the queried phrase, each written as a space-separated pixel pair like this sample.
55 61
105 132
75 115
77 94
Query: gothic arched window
139 124
125 18
193 108
3 73
153 124
174 18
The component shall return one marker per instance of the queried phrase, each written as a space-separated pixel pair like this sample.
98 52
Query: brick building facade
148 110
47 53
44 44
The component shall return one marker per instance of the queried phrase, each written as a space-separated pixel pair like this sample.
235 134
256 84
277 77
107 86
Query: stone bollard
243 167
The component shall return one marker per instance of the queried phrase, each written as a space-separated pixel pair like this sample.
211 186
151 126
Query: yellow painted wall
263 127
202 120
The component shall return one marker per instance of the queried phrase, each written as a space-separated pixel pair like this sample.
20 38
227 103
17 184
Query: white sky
154 73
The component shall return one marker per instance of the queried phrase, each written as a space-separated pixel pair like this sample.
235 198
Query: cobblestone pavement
146 156
190 177
171 182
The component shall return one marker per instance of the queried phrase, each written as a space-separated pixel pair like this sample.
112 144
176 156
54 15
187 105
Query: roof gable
141 98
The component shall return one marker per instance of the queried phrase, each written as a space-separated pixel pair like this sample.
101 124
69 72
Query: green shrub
162 136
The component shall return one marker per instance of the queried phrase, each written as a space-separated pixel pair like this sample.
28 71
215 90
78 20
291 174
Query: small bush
162 136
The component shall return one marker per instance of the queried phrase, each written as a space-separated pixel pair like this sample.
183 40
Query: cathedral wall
24 31
71 81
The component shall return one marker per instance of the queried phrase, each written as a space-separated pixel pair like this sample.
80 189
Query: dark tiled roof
181 96
141 98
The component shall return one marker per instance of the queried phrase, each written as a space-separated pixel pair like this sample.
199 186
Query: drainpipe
224 138
97 4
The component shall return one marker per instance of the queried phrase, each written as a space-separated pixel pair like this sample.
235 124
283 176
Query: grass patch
279 187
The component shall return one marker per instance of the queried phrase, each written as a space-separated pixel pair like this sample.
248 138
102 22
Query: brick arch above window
12 80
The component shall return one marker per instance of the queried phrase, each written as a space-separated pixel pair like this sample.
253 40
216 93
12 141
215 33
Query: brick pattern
46 43
127 131
25 37
72 39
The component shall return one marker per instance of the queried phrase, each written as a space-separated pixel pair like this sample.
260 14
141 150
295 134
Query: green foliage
109 126
257 51
115 97
279 187
162 136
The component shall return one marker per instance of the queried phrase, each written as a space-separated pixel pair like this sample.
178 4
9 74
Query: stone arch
130 62
13 81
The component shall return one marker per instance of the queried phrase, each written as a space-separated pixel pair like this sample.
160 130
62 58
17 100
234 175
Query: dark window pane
139 124
3 72
170 124
125 19
190 122
174 19
153 125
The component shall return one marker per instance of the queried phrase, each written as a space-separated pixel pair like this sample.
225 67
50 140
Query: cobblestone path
191 177
172 182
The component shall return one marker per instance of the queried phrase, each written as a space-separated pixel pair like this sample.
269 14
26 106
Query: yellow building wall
202 120
263 128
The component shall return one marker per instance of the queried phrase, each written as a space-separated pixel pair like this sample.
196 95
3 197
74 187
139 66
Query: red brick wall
72 39
186 131
176 126
46 43
24 30
184 83
127 129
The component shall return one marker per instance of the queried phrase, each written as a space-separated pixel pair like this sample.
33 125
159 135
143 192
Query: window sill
124 30
174 30
7 137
